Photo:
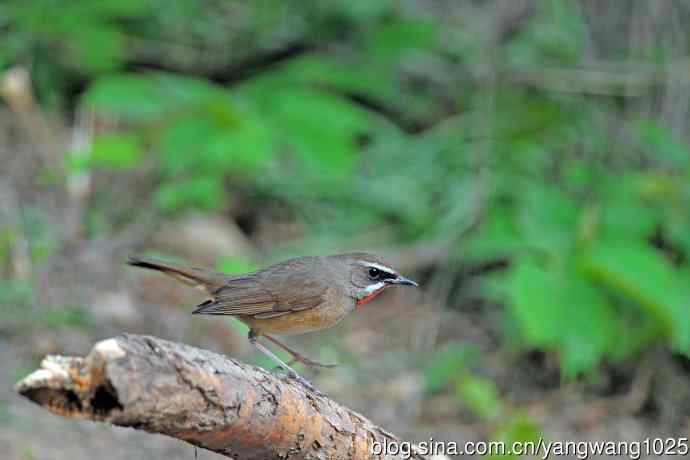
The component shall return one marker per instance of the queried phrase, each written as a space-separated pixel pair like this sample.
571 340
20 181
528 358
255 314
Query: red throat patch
370 297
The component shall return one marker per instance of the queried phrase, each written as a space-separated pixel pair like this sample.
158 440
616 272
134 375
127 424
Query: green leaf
558 310
644 276
665 145
195 94
232 265
134 97
319 128
677 226
391 41
98 47
203 192
480 395
245 147
515 428
202 143
77 161
447 364
116 151
184 145
628 218
549 217
370 79
498 236
111 151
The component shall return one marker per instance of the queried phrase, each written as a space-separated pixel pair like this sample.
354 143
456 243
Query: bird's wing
278 290
240 296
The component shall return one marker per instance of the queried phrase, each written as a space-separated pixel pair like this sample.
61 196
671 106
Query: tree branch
202 398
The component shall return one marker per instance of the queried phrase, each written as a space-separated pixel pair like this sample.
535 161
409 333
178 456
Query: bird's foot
305 383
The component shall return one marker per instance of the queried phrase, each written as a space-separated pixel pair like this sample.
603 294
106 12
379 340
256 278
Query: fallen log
203 398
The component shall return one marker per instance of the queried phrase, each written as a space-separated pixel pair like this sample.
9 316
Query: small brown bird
296 296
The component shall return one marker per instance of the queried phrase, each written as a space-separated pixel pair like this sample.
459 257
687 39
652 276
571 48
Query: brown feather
190 276
284 287
270 315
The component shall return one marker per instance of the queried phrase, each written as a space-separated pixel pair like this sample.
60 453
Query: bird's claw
305 383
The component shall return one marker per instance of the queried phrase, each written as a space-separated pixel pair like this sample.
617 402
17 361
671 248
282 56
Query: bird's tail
198 277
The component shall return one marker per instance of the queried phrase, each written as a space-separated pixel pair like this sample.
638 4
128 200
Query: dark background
526 161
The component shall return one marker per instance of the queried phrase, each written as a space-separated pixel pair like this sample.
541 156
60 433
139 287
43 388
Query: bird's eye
374 273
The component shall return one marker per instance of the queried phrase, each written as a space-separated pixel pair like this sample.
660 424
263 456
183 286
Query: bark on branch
200 397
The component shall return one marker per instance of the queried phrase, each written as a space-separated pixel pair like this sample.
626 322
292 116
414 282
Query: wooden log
203 398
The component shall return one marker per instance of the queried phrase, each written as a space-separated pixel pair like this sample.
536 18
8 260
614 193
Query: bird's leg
291 372
297 357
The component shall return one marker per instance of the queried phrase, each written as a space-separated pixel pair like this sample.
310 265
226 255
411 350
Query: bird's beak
402 280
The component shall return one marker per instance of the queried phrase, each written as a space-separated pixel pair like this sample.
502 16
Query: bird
296 296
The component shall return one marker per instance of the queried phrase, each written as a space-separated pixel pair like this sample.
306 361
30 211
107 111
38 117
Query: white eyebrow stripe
375 265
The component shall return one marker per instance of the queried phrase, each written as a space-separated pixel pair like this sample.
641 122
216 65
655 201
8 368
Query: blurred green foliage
23 317
385 119
446 363
233 265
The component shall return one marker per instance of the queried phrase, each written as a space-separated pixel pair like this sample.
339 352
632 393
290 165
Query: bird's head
370 275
